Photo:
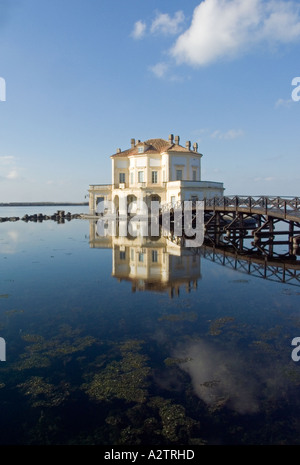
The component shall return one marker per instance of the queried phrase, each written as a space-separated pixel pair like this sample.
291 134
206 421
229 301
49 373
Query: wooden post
271 237
284 203
291 235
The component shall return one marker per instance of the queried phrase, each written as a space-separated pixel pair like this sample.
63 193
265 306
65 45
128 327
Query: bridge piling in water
255 219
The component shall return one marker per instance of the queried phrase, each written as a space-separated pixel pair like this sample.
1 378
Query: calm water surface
127 341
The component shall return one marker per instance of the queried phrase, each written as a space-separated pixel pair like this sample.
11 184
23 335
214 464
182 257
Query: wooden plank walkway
277 207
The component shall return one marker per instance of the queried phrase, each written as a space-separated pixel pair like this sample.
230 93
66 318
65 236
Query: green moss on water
183 316
13 312
170 361
123 379
175 423
42 393
40 352
293 374
217 325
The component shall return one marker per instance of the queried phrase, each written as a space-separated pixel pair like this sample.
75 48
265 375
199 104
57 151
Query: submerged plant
217 325
175 422
41 351
42 393
123 379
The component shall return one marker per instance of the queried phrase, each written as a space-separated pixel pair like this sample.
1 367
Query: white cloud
12 174
8 167
283 103
229 28
228 135
160 69
218 375
266 179
6 160
139 30
282 21
162 24
165 24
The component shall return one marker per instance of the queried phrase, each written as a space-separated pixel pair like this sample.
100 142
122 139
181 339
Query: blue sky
83 77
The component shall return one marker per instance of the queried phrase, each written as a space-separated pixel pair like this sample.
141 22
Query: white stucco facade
157 169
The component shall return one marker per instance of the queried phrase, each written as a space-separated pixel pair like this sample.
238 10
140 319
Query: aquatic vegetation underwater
91 362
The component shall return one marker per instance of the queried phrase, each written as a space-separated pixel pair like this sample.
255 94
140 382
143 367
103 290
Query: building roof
156 146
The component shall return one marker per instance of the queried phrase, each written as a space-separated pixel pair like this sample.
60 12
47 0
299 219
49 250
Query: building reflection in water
151 263
162 263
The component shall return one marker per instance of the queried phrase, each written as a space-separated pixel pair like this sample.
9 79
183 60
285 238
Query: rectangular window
121 177
141 257
154 256
154 177
141 176
122 255
178 175
194 175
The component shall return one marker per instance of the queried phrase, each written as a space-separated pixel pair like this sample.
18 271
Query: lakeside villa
154 170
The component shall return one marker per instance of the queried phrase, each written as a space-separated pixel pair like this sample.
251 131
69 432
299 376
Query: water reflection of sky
219 349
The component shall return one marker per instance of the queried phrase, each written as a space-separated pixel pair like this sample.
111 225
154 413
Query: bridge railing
283 205
271 270
260 204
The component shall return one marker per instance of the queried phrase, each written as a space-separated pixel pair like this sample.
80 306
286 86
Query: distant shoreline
41 204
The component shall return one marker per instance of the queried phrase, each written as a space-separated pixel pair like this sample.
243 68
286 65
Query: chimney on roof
132 143
171 138
177 140
118 150
195 147
138 141
188 145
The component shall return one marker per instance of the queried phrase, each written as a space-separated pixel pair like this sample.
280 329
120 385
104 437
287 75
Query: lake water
124 341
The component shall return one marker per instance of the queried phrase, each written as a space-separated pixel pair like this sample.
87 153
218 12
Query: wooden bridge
287 272
242 218
286 208
278 207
